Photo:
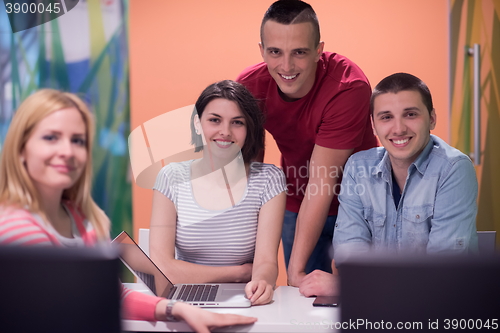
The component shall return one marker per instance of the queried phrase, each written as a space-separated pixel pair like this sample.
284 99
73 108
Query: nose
399 127
287 64
225 129
66 148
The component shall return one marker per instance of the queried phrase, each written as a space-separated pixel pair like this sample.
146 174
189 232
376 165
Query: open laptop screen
143 267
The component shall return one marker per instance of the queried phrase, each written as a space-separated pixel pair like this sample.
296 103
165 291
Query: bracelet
170 306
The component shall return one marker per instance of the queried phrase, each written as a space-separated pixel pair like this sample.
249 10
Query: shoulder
15 214
265 169
371 156
21 227
256 79
446 153
177 169
342 70
253 72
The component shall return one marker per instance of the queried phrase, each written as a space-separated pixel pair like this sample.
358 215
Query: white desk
289 312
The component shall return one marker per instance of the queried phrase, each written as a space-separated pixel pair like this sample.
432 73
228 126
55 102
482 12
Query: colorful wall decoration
84 51
478 22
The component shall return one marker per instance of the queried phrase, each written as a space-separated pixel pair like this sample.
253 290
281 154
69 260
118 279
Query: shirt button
418 216
336 225
394 226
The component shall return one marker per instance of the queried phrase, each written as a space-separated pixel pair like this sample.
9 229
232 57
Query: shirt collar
384 167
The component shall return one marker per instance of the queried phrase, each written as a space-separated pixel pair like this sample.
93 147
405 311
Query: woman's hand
202 321
259 292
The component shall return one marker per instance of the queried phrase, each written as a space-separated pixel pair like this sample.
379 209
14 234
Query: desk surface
289 312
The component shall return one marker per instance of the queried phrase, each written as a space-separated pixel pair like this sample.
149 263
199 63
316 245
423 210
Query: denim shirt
436 212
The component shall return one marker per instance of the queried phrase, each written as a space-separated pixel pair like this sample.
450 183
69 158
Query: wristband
168 312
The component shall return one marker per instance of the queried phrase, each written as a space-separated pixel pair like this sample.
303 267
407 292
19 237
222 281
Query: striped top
21 227
222 237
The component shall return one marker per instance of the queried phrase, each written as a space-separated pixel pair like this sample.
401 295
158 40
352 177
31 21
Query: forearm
310 222
267 271
180 271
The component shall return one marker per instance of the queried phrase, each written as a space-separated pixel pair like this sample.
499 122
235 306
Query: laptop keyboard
196 292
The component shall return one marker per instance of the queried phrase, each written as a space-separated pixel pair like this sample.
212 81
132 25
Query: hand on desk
259 292
203 321
319 283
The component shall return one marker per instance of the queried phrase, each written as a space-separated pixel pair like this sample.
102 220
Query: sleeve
138 306
453 225
352 234
166 183
346 118
21 228
276 183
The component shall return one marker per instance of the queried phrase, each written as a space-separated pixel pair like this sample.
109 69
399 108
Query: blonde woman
45 186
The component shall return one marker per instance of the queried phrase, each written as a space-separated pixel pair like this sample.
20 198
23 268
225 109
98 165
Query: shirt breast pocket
417 225
376 223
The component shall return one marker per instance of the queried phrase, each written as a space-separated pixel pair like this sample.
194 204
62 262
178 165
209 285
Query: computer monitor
59 290
420 294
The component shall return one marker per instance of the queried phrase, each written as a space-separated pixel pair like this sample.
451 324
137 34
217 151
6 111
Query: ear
261 48
22 157
197 124
373 126
433 119
319 50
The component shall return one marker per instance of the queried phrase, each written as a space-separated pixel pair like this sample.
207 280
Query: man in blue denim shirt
415 195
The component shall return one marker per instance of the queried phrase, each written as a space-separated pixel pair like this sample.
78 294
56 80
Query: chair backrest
59 290
144 240
486 241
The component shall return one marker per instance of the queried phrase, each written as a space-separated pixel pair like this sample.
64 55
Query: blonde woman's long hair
16 187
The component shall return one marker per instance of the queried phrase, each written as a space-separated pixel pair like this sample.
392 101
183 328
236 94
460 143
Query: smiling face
291 56
402 124
55 154
223 128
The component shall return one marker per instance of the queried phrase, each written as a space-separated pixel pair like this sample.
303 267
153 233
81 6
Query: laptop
421 293
208 295
59 290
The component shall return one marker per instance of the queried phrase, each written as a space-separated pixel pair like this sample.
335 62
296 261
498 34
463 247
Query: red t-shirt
334 114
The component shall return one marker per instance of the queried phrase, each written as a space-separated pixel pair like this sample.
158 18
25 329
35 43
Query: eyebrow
411 108
53 131
216 115
303 49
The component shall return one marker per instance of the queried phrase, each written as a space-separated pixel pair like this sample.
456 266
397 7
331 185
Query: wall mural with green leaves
478 22
84 51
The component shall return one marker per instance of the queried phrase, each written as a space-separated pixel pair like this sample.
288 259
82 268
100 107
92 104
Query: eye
79 141
385 117
300 53
214 120
50 137
239 123
411 114
274 52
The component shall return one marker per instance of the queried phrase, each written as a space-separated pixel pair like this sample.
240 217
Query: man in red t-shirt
317 109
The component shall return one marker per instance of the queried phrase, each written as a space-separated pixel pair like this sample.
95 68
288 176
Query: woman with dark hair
219 218
45 186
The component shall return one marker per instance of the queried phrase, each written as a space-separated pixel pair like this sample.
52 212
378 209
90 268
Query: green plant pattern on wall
478 21
45 56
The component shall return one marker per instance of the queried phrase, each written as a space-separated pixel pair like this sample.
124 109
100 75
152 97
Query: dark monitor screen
59 290
423 294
